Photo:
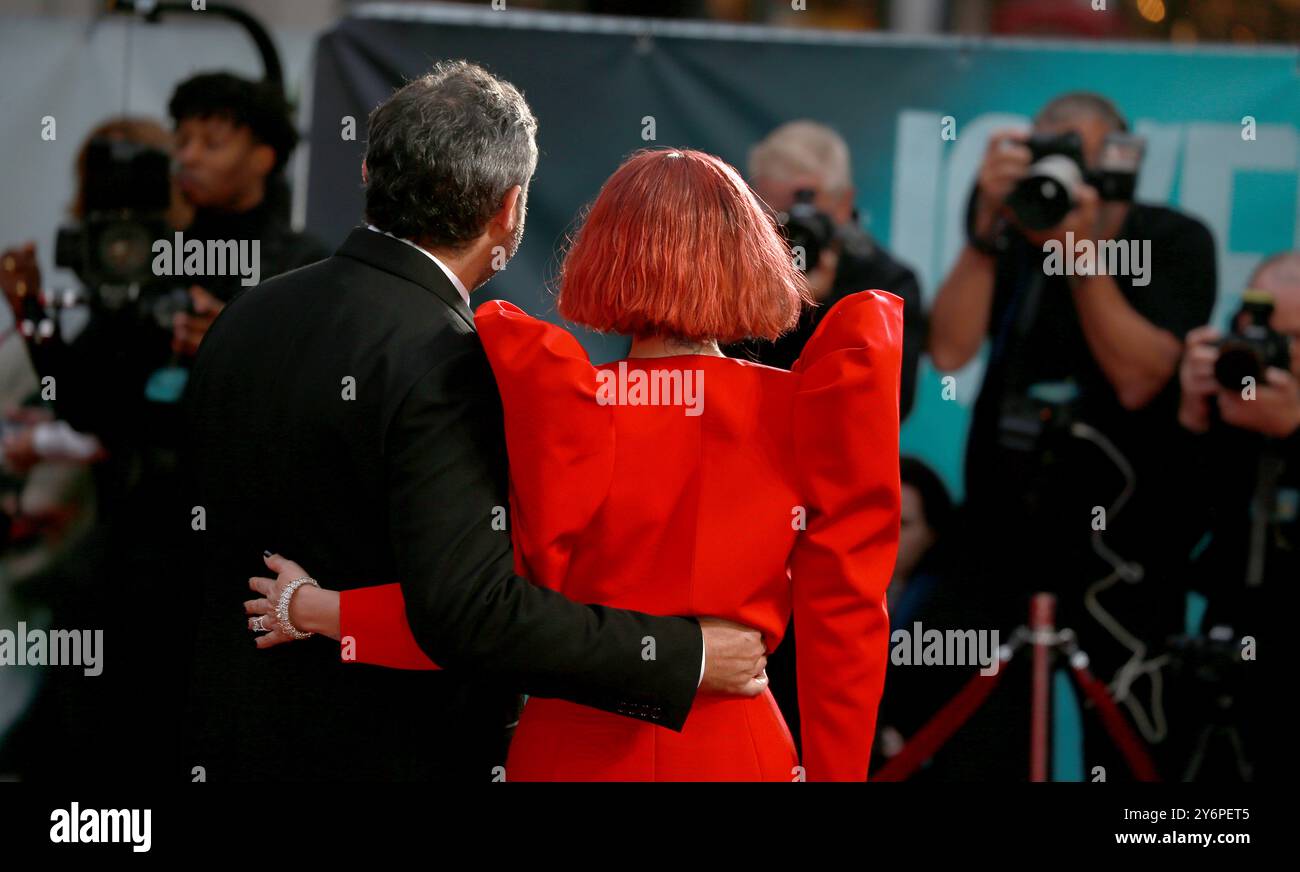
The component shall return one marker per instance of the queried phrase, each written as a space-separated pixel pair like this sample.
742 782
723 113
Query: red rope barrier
939 729
1139 762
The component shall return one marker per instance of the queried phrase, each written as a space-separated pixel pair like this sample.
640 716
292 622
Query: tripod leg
1042 615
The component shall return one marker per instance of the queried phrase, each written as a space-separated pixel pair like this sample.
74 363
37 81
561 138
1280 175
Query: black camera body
1253 345
1043 197
807 228
126 195
1046 194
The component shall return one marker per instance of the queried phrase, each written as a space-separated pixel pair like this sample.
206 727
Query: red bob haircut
677 245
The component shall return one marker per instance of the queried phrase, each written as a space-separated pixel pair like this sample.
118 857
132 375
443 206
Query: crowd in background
1099 391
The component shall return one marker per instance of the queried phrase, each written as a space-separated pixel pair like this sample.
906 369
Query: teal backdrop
1221 125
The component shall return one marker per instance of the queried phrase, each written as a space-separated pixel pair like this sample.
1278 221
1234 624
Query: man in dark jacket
346 412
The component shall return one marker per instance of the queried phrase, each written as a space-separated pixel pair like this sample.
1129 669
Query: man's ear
507 217
365 174
263 159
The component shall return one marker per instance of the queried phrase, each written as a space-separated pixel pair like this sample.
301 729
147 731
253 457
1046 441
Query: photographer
1240 412
1066 473
93 347
121 376
802 172
233 138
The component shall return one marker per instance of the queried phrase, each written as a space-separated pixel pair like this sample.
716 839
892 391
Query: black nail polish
266 553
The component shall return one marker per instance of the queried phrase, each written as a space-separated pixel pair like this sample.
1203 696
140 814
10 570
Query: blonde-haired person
808 156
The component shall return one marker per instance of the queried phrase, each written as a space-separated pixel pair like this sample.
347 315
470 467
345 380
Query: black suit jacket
345 415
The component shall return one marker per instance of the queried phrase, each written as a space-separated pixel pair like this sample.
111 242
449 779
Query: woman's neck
668 346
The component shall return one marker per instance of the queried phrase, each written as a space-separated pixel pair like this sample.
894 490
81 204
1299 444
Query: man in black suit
345 414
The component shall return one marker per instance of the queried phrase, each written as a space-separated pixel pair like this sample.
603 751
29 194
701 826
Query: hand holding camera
1273 411
1247 373
1006 161
1196 377
1041 183
814 234
189 328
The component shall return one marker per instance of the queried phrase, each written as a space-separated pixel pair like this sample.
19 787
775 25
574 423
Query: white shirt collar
455 280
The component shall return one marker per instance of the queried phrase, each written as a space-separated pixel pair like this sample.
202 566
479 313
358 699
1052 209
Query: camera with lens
807 228
126 196
1253 345
810 230
1046 194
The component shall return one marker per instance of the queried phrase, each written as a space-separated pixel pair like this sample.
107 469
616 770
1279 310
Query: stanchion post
1042 628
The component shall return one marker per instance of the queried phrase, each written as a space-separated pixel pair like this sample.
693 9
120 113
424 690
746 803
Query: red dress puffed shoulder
743 492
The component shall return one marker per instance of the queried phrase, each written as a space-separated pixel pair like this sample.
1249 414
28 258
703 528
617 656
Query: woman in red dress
683 482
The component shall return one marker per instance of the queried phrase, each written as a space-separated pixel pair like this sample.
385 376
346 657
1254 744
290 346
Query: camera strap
1016 325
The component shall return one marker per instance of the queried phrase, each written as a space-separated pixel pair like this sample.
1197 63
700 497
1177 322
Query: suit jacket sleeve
446 466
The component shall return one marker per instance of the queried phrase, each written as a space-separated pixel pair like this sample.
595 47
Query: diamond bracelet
282 610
